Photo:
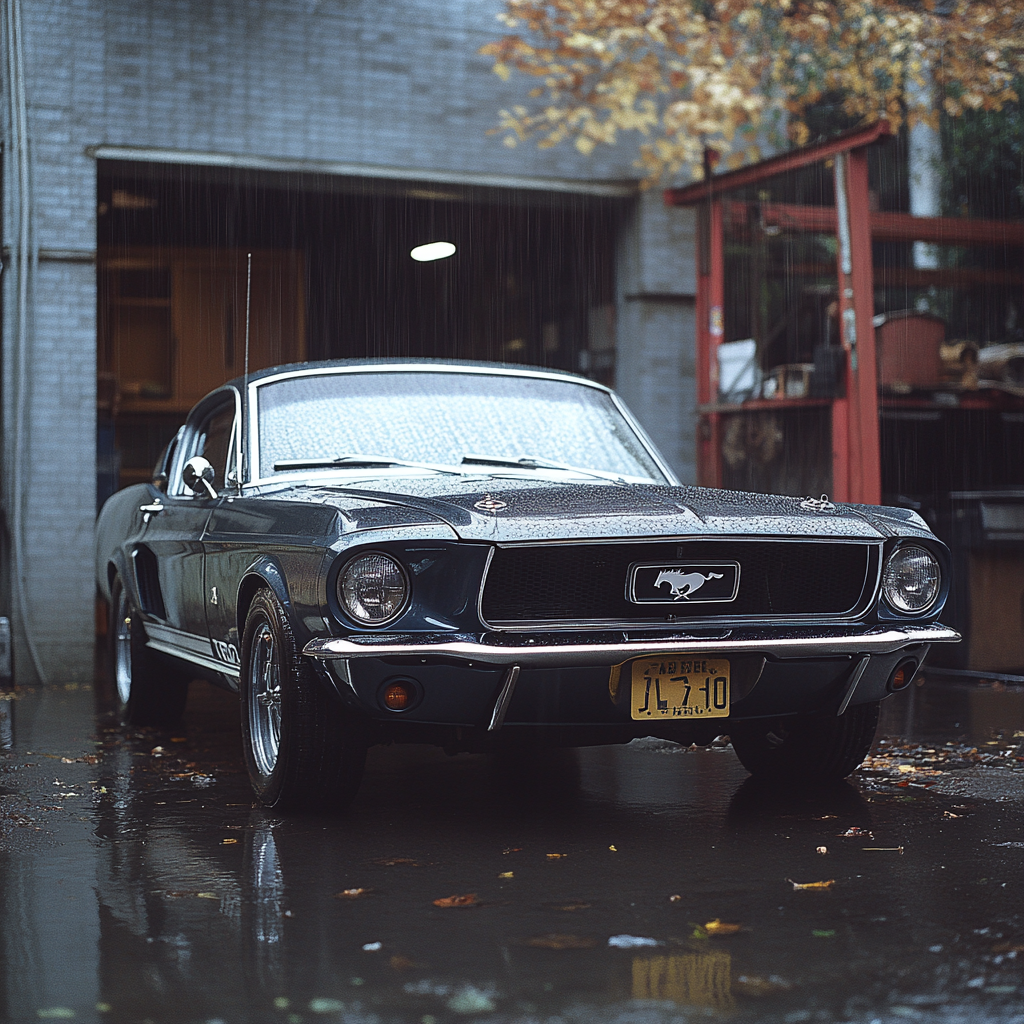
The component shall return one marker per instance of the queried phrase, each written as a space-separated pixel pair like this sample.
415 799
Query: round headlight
372 589
912 580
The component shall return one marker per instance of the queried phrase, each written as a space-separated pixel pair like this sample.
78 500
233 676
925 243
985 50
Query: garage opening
531 280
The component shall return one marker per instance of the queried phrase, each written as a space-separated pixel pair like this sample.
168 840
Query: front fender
264 572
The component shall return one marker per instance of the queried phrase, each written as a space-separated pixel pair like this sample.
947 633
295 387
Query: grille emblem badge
683 584
678 582
490 504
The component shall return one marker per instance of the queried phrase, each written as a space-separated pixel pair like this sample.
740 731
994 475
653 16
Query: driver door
174 536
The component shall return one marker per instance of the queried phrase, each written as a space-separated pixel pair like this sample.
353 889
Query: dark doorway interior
531 281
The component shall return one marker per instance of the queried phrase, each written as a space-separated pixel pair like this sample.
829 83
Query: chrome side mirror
198 474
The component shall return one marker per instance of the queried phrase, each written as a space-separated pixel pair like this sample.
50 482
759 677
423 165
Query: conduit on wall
25 261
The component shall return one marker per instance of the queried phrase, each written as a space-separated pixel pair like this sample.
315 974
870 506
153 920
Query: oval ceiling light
432 251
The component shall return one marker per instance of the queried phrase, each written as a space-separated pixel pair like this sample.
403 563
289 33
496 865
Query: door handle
148 511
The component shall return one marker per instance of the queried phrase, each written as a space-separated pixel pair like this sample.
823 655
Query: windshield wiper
360 462
534 462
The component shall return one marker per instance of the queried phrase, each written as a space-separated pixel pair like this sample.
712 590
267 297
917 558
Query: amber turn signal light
397 697
903 675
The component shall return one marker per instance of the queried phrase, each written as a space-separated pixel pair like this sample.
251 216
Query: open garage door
531 280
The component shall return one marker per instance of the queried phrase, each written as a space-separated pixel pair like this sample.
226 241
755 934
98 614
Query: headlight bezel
934 603
339 582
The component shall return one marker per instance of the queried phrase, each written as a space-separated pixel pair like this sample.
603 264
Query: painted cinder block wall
387 88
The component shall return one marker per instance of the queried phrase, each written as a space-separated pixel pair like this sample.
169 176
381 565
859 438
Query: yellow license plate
680 686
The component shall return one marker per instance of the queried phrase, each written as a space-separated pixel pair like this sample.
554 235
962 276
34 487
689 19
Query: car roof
406 365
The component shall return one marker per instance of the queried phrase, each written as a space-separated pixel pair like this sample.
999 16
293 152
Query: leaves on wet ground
468 900
917 764
506 874
556 940
394 862
556 856
812 885
512 849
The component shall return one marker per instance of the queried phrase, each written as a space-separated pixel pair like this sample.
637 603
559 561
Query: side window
214 443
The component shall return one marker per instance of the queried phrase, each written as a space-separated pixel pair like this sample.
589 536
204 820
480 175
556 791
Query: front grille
586 583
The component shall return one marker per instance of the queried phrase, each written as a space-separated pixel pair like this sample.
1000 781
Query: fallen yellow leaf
555 856
228 842
506 874
812 885
717 927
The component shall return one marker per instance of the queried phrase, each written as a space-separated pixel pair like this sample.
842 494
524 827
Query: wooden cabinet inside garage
172 328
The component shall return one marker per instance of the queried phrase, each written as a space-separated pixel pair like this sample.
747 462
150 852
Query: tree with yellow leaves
688 74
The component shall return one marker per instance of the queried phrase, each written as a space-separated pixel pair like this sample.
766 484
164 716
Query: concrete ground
648 883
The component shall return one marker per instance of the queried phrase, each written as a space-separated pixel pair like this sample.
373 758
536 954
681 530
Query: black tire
148 690
811 749
301 749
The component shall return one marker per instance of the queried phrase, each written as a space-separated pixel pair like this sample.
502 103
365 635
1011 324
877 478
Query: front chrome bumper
551 651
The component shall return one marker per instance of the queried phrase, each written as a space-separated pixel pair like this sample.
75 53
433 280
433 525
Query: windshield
437 417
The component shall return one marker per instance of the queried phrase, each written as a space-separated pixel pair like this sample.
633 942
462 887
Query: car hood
509 509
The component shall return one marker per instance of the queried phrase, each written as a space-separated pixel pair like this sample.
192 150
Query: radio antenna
243 447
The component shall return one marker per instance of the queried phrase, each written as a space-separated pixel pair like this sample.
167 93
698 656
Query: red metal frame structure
856 470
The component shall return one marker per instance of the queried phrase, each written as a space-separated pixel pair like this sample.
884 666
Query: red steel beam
900 227
885 227
780 164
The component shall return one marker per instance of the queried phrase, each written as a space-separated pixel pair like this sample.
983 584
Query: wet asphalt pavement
139 883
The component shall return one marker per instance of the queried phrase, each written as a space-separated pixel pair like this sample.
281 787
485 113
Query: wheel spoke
264 700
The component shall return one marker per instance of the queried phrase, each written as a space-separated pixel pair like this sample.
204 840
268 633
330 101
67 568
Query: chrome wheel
123 648
264 700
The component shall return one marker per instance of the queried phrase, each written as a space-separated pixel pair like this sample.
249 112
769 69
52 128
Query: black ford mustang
478 556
